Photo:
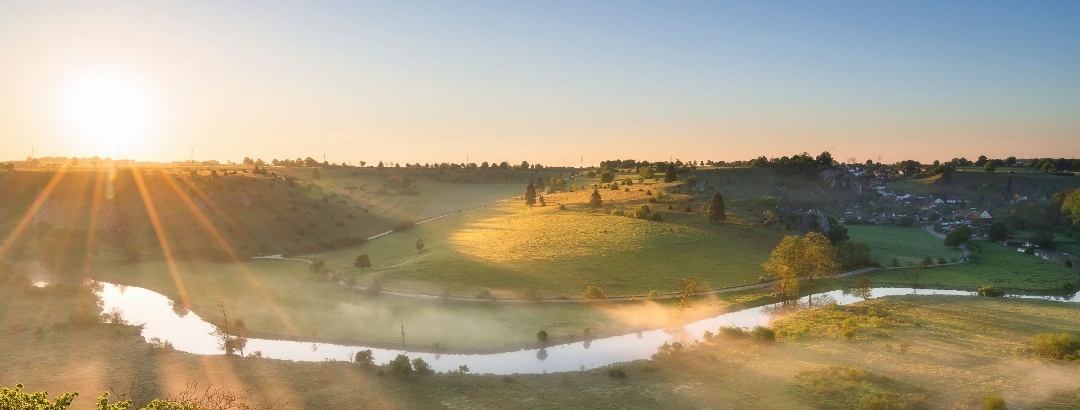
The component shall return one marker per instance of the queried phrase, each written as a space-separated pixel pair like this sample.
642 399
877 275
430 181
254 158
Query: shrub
667 350
732 332
594 292
421 367
763 333
1056 345
400 366
653 294
616 372
542 336
364 358
993 403
991 291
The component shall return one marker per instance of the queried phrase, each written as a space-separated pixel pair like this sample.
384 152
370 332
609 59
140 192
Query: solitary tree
530 194
958 236
230 335
809 257
669 175
362 261
595 202
717 210
419 245
688 286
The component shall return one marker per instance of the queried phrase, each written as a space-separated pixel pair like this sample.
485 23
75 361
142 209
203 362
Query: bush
667 350
763 333
1056 346
594 292
400 366
421 367
732 332
993 403
991 291
616 372
364 358
542 336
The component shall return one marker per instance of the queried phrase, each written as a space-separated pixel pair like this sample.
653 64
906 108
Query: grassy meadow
907 245
556 250
995 265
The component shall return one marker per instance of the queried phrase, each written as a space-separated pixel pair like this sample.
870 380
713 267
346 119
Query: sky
550 82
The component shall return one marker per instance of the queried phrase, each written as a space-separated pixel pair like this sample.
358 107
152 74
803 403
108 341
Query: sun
108 112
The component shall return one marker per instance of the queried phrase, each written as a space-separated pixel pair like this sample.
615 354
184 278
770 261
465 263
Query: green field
907 245
994 265
511 250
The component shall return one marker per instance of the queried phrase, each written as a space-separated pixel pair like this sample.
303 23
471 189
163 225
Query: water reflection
190 333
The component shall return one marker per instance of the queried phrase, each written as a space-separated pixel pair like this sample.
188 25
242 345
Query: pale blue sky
551 81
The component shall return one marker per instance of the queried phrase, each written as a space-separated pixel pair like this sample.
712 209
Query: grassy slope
960 347
511 249
996 265
969 181
907 245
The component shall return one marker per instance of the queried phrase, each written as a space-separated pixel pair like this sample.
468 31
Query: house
981 219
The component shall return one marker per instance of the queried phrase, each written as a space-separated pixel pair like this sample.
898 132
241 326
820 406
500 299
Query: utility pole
32 153
402 334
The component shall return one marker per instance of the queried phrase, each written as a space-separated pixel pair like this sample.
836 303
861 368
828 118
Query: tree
596 202
594 292
607 176
688 286
542 336
419 245
362 261
670 174
421 367
717 209
958 236
540 184
400 366
794 257
989 167
1070 207
998 231
530 194
230 335
365 358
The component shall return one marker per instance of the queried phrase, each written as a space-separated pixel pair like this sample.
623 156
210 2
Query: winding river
190 333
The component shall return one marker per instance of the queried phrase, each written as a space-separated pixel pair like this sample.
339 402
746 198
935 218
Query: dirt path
672 295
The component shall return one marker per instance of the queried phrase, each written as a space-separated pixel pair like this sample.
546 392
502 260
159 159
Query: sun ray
91 230
210 228
160 232
29 215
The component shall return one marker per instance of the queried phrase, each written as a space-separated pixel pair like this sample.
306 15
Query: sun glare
109 113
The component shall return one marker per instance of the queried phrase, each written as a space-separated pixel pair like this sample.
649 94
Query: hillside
218 214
